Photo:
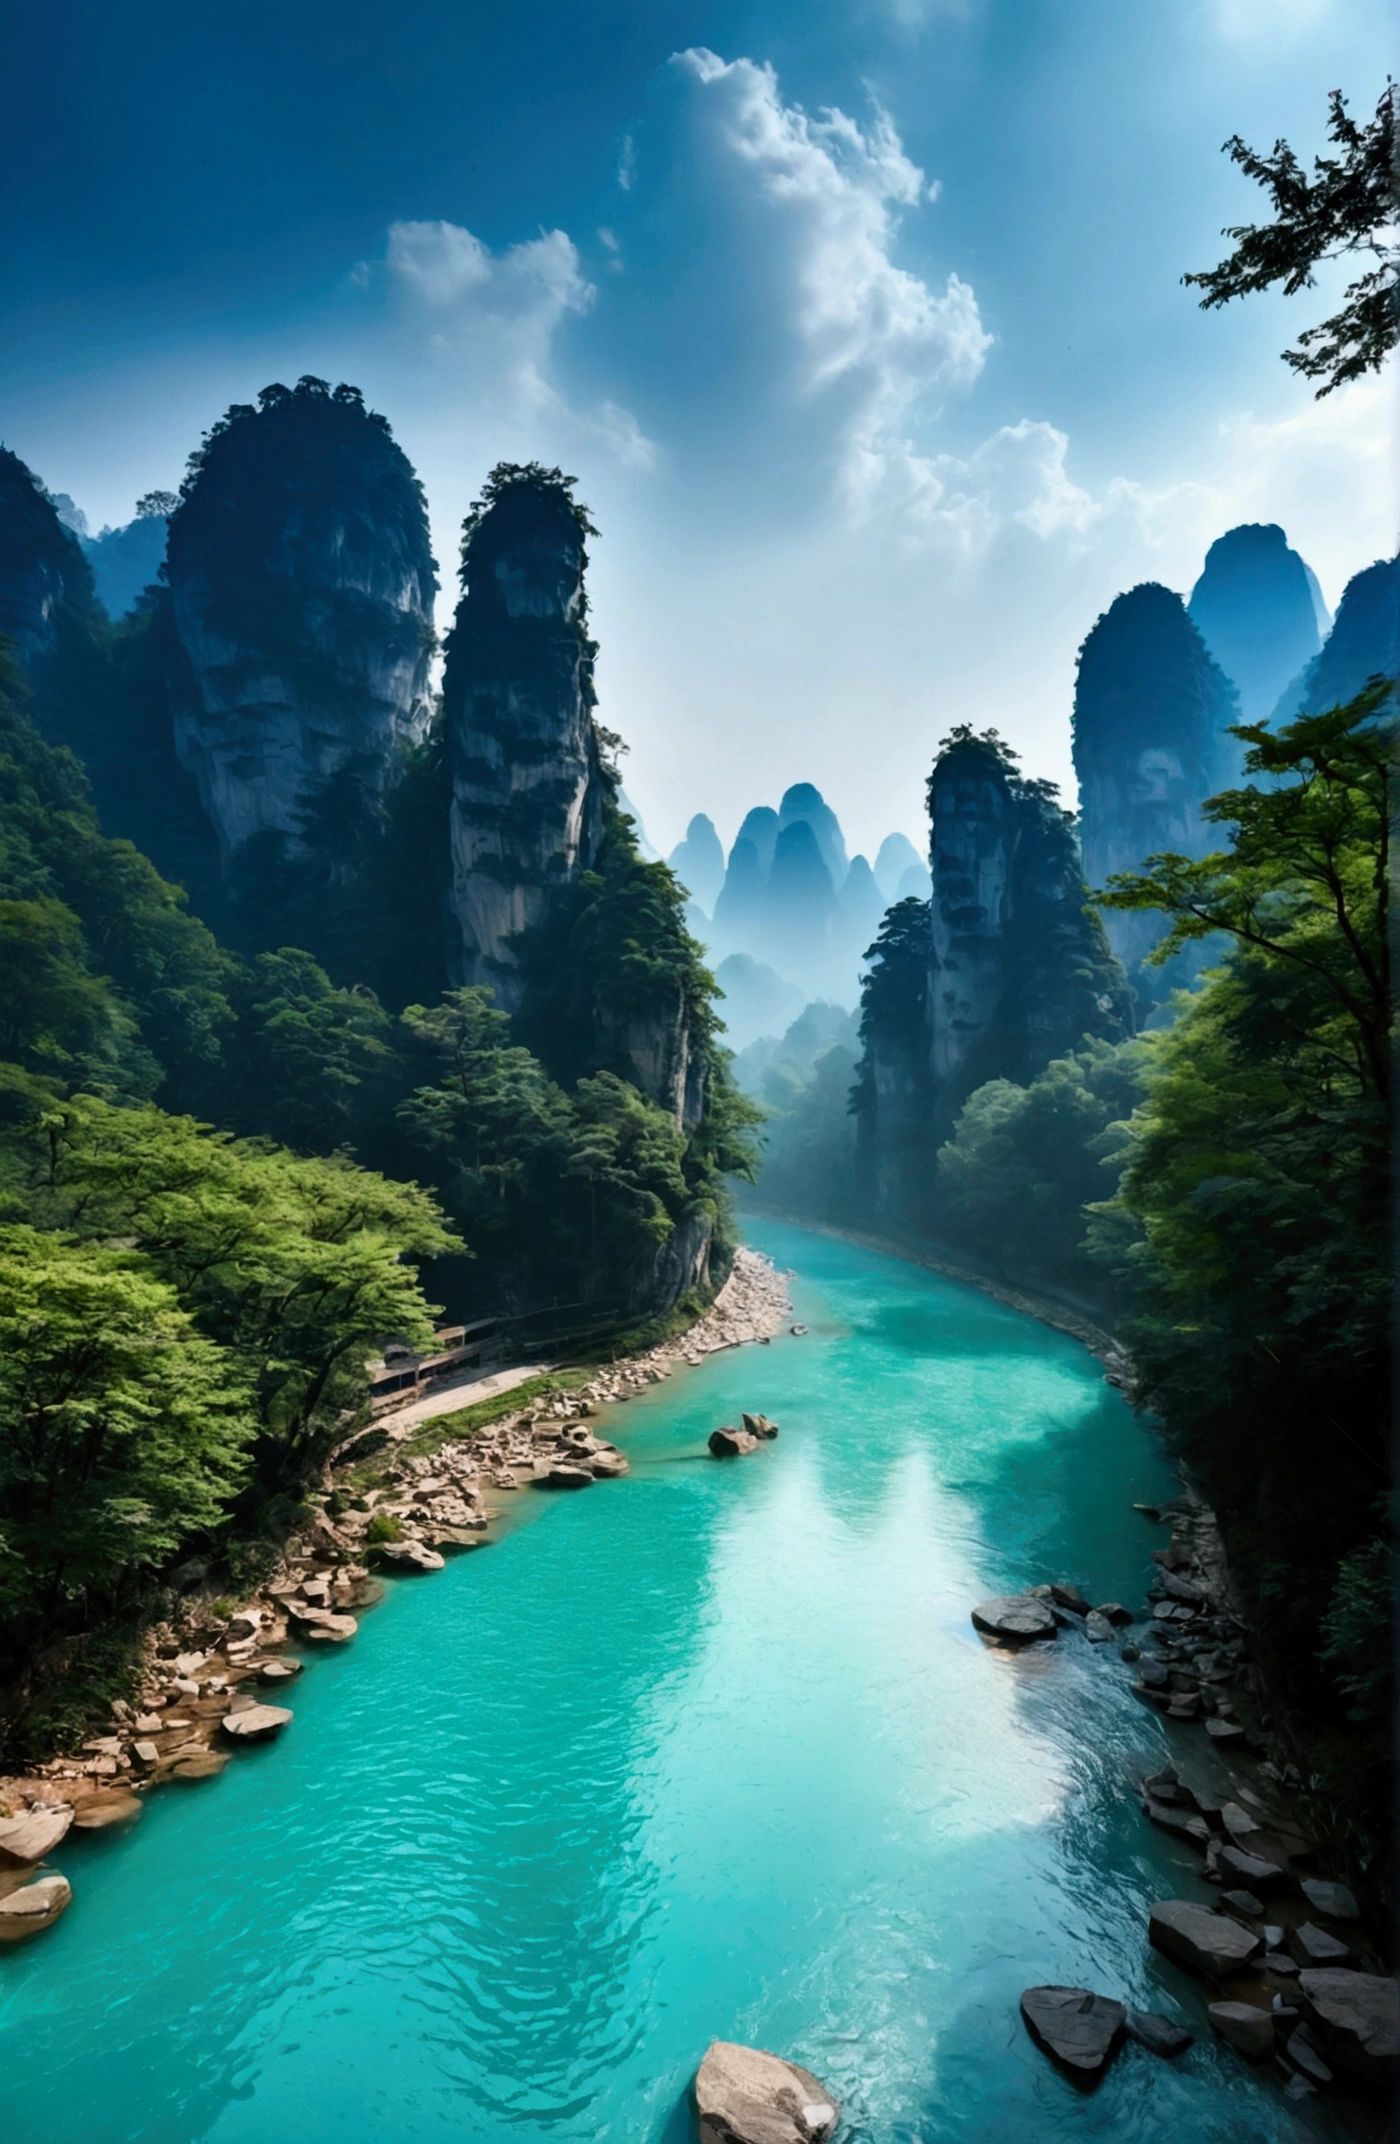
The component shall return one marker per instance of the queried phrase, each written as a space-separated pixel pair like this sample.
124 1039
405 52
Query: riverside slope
711 1753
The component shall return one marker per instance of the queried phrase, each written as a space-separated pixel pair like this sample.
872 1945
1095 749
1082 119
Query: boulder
411 1555
277 1669
1158 2034
758 1425
330 1629
1014 1618
1207 1943
1243 1902
1251 1870
744 2095
1097 1628
1249 2030
1332 1899
1312 1945
1182 1589
1356 2019
105 1810
1225 1730
1066 1596
1077 2029
731 1444
608 1466
33 1908
1115 1612
1170 1816
1280 1964
561 1475
31 1836
1153 1676
145 1752
256 1723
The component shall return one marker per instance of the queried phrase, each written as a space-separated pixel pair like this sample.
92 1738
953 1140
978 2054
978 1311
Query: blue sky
861 325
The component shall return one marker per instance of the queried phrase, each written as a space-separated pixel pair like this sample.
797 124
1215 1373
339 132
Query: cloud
1247 22
494 318
866 338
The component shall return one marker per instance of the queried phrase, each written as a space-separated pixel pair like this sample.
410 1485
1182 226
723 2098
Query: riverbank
399 1496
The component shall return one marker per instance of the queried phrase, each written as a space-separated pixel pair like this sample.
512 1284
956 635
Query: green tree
1347 207
297 1267
122 1429
1257 1169
1024 1163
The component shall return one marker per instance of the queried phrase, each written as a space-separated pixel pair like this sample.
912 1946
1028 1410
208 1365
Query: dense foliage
1258 1176
217 1292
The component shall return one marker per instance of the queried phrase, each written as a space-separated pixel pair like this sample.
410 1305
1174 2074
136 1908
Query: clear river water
712 1750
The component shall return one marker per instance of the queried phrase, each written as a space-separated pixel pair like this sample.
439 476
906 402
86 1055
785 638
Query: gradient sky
860 324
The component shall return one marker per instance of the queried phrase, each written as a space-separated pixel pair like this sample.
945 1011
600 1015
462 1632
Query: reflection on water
711 1750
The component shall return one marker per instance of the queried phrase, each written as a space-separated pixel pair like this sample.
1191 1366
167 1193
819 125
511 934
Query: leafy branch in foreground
1306 882
1348 207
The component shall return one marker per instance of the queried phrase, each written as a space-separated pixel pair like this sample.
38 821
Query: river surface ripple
712 1750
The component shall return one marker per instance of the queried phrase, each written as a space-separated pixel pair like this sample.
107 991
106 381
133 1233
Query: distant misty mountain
791 900
127 560
757 1002
698 862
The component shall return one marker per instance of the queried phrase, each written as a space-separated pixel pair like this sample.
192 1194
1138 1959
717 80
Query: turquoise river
712 1750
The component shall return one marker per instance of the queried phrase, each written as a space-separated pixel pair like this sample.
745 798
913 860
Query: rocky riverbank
1294 1964
385 1505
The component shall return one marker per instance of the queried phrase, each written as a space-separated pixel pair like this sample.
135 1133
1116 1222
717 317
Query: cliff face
1019 968
528 787
1004 969
1253 607
48 605
302 588
1151 714
1364 643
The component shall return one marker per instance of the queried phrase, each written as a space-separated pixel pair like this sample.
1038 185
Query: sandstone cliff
302 587
528 785
1151 718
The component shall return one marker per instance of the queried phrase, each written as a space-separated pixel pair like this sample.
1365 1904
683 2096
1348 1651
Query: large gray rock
1079 2030
34 1834
1356 2016
1014 1618
746 2096
1312 1945
731 1443
1207 1943
35 1907
1332 1899
1248 2029
256 1723
1251 1870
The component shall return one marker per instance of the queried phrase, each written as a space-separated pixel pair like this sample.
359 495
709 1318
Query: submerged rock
1159 2035
104 1811
1014 1618
744 2095
1079 2030
33 1908
1207 1943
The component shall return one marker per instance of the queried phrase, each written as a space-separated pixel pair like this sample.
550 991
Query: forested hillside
232 1166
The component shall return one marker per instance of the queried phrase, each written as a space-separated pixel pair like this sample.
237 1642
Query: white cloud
871 337
1247 22
494 318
